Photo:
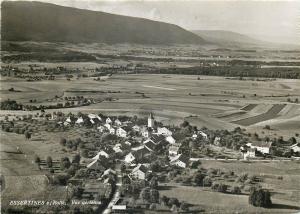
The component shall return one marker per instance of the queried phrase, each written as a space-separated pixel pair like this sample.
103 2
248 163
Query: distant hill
36 21
228 38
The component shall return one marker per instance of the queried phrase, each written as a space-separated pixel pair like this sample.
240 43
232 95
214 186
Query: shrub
260 198
207 181
37 159
236 190
49 161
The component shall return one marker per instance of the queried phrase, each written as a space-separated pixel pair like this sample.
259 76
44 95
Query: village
122 162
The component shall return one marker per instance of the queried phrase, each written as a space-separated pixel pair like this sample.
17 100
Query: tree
145 194
236 190
164 200
184 206
207 181
154 196
27 135
76 158
37 159
260 198
173 201
123 168
198 178
49 162
84 153
63 141
65 163
153 183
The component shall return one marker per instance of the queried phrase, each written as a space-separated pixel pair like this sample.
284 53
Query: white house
79 120
139 172
127 143
170 140
107 125
118 122
295 147
204 136
249 153
136 128
108 120
180 160
94 116
217 141
101 153
173 150
129 158
164 131
121 132
101 128
263 147
117 148
112 130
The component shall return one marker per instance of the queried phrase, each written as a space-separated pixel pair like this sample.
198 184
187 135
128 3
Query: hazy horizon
273 21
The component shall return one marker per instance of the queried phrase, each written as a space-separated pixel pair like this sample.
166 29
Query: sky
274 21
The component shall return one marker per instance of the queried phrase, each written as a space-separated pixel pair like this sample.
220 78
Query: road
116 195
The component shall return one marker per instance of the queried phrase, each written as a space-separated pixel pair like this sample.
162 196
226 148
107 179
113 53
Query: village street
116 194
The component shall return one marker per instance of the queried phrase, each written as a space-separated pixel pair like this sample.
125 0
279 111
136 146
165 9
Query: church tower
150 121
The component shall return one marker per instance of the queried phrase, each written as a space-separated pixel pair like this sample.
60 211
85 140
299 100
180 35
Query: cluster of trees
11 105
233 71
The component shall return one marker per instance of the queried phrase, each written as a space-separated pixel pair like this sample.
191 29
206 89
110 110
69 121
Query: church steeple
150 121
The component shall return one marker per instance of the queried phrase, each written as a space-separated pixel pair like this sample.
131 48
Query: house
136 128
108 121
112 130
79 121
263 147
129 158
121 132
146 133
204 136
108 172
173 150
180 160
96 165
157 139
170 140
295 147
127 143
118 122
164 131
101 128
94 118
248 153
150 145
101 153
139 172
150 121
117 148
217 141
107 125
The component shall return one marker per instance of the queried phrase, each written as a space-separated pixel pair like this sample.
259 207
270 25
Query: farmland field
171 96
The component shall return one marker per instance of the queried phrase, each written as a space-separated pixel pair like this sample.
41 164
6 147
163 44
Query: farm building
164 131
180 160
139 172
170 140
295 147
263 147
108 121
